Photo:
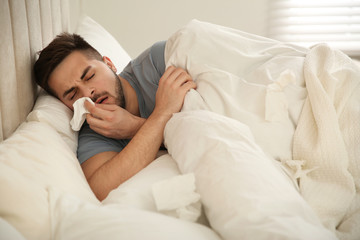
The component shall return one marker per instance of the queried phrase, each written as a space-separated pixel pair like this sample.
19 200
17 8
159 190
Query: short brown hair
52 55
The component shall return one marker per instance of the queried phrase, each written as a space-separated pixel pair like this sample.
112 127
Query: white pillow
103 41
34 158
52 111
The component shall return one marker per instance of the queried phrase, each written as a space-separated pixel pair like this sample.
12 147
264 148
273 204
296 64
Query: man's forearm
140 151
137 124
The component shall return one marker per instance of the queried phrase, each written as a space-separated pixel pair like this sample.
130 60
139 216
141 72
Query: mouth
101 100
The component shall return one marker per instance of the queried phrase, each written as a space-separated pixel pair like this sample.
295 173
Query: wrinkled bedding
236 134
255 80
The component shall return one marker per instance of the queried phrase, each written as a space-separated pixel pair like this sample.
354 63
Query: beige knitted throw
327 139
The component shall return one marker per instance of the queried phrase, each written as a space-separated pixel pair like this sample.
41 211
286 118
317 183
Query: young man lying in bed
266 125
135 105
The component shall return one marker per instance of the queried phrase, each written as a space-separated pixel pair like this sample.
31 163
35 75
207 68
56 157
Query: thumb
88 105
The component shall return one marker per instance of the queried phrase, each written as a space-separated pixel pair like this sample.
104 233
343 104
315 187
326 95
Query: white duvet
239 124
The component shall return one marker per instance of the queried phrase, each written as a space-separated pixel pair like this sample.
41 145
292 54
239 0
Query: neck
131 100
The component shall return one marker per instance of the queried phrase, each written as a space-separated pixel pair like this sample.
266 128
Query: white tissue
79 113
177 197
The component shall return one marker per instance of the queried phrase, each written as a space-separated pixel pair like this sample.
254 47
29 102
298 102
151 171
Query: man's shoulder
158 48
148 66
155 53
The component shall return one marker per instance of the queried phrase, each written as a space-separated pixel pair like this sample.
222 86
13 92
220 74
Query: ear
109 63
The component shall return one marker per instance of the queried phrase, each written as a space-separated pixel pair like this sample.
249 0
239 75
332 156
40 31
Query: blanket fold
327 138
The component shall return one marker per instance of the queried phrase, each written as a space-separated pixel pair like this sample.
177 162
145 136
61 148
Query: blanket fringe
297 168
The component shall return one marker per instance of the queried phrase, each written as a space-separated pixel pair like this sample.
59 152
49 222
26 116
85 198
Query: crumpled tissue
79 113
177 197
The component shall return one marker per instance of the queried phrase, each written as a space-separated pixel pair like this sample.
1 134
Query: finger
179 77
91 108
108 107
176 77
100 112
167 73
98 126
188 85
183 78
88 105
94 121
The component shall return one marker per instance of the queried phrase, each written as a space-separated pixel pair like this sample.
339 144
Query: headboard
27 27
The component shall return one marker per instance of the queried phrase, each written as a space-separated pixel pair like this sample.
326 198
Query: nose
87 91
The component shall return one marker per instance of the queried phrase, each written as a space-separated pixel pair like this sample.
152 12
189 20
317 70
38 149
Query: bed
265 148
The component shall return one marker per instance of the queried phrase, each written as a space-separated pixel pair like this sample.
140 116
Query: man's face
78 76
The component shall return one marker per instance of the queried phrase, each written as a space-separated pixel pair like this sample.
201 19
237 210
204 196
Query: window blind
308 22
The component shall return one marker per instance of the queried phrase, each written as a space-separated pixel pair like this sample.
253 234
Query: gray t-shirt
143 74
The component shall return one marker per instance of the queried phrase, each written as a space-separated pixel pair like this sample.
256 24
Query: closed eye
72 97
90 77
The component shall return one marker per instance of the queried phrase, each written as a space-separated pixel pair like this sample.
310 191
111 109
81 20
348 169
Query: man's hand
173 86
112 121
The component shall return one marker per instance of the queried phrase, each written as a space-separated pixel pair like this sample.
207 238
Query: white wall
137 24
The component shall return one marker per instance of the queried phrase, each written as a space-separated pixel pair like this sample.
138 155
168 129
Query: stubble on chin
119 91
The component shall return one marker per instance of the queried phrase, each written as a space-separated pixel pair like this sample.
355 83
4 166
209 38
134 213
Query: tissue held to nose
79 113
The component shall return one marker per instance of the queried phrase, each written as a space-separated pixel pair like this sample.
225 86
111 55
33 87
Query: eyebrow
82 77
68 91
85 72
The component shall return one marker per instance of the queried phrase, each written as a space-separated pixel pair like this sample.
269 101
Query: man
135 105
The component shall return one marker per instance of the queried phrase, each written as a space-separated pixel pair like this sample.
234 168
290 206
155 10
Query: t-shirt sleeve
143 74
157 55
91 143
